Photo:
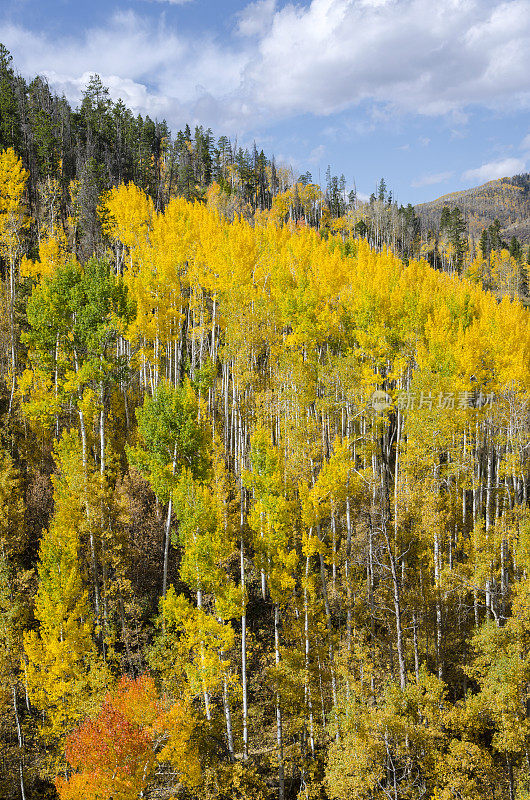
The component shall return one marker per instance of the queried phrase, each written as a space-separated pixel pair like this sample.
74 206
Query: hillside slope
505 199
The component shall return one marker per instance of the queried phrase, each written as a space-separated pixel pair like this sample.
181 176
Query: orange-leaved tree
114 754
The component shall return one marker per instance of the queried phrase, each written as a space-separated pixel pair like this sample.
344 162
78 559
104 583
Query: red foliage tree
112 755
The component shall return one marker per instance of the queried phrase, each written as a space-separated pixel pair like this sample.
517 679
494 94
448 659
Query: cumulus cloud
404 56
151 67
412 54
431 180
135 95
171 2
504 168
256 18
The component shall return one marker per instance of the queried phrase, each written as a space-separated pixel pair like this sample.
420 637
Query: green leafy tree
171 438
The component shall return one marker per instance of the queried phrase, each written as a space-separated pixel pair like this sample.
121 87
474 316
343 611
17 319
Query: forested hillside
505 199
264 481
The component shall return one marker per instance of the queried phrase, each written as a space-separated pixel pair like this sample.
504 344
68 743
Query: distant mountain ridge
505 199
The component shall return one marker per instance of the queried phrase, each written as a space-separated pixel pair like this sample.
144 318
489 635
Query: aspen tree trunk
201 343
307 688
438 602
243 628
156 361
226 414
347 574
56 382
333 549
204 690
396 472
87 511
329 625
102 428
330 634
26 692
167 531
102 474
213 353
489 487
322 705
12 331
193 344
167 537
504 576
370 556
437 564
475 518
228 718
371 598
228 715
511 782
487 592
263 581
20 746
464 492
415 642
233 419
279 733
397 610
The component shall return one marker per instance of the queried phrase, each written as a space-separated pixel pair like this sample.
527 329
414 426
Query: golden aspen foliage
127 215
65 673
335 447
13 213
53 254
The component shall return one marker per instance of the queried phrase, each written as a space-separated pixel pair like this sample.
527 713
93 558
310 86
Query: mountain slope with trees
264 480
505 199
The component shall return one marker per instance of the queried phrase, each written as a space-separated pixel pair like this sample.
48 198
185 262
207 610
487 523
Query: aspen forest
264 476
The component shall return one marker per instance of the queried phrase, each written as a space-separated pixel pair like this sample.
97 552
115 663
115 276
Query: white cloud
404 56
317 154
153 68
256 18
414 55
431 180
495 169
135 95
171 2
525 144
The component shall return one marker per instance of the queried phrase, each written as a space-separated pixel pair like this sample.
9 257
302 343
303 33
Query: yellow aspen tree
13 222
64 670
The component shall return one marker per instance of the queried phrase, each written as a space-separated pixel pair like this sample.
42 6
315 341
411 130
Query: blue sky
434 95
